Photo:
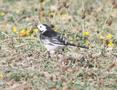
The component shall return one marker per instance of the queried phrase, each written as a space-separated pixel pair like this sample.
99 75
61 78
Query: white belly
53 47
50 46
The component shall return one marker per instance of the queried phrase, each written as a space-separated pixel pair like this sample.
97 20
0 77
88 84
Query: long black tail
81 46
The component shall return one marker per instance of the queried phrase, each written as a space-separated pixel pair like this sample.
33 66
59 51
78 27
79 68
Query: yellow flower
23 33
110 44
109 36
101 37
35 30
14 29
2 13
87 42
28 33
1 75
86 33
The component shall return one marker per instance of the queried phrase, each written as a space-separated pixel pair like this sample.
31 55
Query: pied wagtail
53 40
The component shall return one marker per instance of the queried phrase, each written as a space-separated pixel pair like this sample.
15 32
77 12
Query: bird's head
43 27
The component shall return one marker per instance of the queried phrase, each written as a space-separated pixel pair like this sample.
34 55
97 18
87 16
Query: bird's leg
63 49
49 56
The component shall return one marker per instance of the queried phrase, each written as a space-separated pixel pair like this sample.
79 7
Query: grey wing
59 39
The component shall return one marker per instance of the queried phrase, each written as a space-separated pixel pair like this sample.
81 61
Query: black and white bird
53 40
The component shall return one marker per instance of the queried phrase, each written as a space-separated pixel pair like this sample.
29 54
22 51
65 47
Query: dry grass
24 65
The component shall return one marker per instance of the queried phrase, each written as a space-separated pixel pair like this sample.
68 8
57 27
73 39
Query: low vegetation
24 63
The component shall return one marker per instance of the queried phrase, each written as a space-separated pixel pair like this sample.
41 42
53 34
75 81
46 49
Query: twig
20 18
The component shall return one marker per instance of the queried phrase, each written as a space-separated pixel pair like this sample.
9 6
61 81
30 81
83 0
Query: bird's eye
40 26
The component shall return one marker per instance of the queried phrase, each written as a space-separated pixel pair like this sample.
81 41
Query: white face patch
42 28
